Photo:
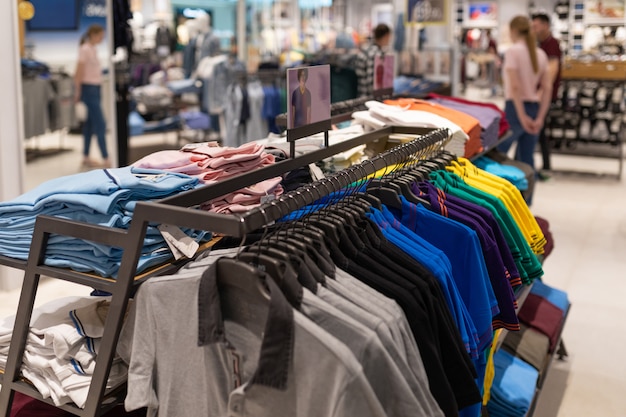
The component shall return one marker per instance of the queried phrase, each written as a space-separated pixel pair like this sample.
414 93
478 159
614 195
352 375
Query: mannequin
207 44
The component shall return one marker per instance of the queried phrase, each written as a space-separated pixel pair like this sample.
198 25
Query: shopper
301 101
365 59
527 90
541 28
87 84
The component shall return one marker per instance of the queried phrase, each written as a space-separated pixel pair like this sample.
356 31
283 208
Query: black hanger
242 290
407 192
296 264
386 192
370 199
316 235
328 228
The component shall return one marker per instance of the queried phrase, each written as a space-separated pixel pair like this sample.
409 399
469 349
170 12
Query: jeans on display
94 125
526 142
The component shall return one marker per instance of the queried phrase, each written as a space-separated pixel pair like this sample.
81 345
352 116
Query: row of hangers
286 247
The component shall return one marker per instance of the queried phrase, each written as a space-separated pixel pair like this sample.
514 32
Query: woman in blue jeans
87 85
527 90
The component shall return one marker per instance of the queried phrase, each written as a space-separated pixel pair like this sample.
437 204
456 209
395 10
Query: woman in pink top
527 90
87 82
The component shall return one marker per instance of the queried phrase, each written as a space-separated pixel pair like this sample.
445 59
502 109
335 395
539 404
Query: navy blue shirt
462 247
431 258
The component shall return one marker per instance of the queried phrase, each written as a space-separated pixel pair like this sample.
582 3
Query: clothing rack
176 211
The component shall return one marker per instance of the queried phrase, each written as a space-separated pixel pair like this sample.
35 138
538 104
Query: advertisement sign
308 98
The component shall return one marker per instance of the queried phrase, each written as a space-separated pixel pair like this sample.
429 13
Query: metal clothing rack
179 211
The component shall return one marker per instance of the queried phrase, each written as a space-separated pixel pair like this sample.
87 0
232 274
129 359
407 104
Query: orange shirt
469 124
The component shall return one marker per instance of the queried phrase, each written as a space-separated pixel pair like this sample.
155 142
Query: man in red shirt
541 28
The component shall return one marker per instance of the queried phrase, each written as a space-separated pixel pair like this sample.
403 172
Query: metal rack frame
175 211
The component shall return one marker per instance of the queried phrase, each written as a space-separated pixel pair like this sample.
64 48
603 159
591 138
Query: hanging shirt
498 274
525 258
468 265
241 374
508 194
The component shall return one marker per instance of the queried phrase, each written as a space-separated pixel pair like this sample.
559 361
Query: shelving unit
571 125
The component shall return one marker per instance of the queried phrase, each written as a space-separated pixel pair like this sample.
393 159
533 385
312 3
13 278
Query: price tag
316 172
179 243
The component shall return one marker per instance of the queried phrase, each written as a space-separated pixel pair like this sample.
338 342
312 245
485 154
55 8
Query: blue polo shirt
435 260
462 247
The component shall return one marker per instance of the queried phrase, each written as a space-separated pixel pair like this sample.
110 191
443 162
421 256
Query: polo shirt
488 118
454 185
513 387
227 368
481 214
553 295
339 289
301 100
450 375
529 345
384 376
543 316
468 265
400 236
498 273
510 173
414 373
509 195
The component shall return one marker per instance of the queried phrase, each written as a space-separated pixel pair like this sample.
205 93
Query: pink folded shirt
173 161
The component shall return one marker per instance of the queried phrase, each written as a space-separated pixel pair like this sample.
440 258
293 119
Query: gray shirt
182 363
388 383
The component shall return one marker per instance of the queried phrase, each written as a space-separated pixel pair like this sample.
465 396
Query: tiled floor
588 221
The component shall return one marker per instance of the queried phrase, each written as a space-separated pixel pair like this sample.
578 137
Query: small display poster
426 11
383 71
308 97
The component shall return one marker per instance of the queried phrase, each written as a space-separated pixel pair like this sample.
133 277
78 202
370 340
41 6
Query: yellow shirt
508 194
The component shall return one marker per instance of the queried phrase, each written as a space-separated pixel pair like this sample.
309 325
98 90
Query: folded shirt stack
105 197
513 386
211 164
61 348
488 117
544 311
466 122
513 174
380 115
